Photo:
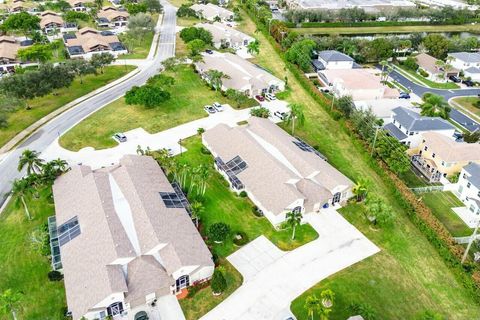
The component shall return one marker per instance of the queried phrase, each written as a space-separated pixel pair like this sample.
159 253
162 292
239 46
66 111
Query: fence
427 189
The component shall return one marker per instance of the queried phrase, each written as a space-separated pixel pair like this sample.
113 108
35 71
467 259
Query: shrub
257 212
423 73
219 231
204 150
218 283
362 309
240 238
243 194
55 276
411 63
197 287
477 104
260 112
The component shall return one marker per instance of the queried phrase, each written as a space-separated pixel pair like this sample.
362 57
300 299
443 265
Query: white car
270 97
218 107
209 109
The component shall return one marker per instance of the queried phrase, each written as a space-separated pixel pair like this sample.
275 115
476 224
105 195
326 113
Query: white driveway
165 139
273 279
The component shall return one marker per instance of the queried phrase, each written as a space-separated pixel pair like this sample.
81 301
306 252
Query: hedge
379 23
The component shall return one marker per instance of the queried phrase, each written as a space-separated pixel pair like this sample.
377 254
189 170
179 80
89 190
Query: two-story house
468 62
332 59
468 187
407 126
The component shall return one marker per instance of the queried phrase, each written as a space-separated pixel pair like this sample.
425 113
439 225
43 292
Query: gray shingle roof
473 70
394 131
413 121
466 56
333 55
473 169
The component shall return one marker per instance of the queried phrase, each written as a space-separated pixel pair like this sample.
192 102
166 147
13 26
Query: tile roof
111 14
413 121
8 47
448 150
91 40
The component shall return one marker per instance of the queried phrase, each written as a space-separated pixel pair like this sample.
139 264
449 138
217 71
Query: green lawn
140 49
475 28
424 81
189 95
468 103
408 275
412 180
187 21
40 107
441 203
22 268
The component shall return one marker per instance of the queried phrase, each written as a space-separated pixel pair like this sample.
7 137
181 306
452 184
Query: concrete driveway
273 279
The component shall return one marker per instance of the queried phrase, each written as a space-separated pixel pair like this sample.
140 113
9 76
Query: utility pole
470 242
333 100
374 141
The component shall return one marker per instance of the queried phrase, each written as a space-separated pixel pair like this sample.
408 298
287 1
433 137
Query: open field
189 95
390 29
441 203
408 275
40 107
140 48
468 103
25 270
415 77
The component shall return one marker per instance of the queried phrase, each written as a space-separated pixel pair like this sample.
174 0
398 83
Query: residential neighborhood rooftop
474 170
449 150
413 121
466 56
209 11
333 55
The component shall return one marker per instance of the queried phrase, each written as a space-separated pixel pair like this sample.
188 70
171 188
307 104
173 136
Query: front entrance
336 197
182 282
115 309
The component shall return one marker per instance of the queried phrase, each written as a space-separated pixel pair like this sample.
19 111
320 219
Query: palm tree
21 188
327 298
360 190
293 219
31 161
196 210
203 174
384 64
215 77
9 302
253 47
312 304
435 106
61 165
296 113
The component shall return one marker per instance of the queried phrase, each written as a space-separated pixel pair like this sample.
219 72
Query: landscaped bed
189 95
40 107
441 204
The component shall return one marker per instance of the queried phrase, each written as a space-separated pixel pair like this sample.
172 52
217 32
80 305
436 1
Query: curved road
45 135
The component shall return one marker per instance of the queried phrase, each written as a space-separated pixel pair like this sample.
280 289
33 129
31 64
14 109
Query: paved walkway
273 279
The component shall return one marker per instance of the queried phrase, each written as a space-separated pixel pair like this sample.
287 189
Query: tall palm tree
296 114
30 159
384 64
293 219
312 304
21 188
9 302
215 77
196 210
435 106
62 166
253 47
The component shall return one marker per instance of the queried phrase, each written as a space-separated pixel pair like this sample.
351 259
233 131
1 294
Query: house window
478 194
297 209
115 309
433 155
412 133
182 282
468 185
464 176
336 197
425 148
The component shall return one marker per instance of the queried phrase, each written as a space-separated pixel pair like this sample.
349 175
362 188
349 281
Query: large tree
296 114
294 218
23 21
149 96
192 33
437 45
80 68
215 78
21 188
435 106
195 47
101 60
300 53
40 53
31 161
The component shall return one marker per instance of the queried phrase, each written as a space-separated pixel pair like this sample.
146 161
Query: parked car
270 97
455 79
281 115
323 89
209 109
218 107
120 137
468 83
260 98
209 51
404 95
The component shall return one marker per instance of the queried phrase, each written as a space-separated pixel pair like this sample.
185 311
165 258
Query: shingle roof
394 131
333 55
474 170
413 121
209 11
278 171
466 56
448 150
91 40
121 215
221 32
472 70
8 47
111 14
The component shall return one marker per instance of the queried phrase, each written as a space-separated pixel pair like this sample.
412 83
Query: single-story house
212 12
360 84
125 239
112 17
473 73
468 187
440 156
9 47
242 75
17 7
468 62
435 73
225 36
332 59
88 41
51 21
280 173
80 5
407 126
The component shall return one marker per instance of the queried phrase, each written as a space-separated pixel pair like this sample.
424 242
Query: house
212 12
279 173
242 75
80 5
468 62
383 108
360 84
372 6
16 7
111 17
125 239
468 187
52 22
439 156
87 41
435 72
407 126
8 53
225 36
332 59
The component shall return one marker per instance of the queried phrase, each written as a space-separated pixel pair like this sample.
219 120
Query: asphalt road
43 137
455 115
